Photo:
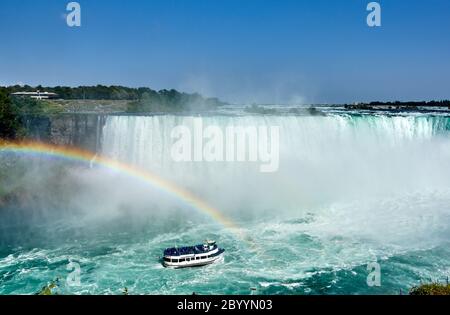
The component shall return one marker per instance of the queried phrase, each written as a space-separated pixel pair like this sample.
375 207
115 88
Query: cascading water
322 159
349 190
363 187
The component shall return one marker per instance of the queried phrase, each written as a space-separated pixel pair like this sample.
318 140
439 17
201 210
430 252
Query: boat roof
187 250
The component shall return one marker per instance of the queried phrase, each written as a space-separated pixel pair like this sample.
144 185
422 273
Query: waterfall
321 159
349 190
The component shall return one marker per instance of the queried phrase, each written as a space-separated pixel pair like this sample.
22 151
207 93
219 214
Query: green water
350 191
279 259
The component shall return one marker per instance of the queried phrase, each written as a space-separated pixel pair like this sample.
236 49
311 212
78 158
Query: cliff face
80 130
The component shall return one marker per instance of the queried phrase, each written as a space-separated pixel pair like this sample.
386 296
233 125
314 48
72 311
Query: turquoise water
294 263
350 191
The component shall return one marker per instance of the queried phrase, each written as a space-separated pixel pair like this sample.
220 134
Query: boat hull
194 263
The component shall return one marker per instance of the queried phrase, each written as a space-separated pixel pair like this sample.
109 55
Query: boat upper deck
188 250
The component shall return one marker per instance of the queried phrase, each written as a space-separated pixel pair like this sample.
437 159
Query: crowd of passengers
185 250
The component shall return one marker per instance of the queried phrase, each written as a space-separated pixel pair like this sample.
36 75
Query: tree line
140 100
445 103
97 92
398 104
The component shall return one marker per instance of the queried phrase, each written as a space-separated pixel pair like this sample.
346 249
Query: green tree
431 289
9 118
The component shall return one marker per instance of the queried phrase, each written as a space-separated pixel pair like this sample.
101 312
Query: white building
36 95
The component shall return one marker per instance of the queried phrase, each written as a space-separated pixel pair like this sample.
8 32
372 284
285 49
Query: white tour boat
192 256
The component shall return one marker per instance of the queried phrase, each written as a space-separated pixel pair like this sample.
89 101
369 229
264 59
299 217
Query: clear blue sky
312 51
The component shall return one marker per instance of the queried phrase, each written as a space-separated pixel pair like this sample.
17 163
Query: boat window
182 260
166 259
175 260
197 258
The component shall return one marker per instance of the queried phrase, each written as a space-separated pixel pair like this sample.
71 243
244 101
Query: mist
357 176
349 190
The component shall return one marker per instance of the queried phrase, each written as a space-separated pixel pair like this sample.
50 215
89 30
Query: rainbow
84 156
